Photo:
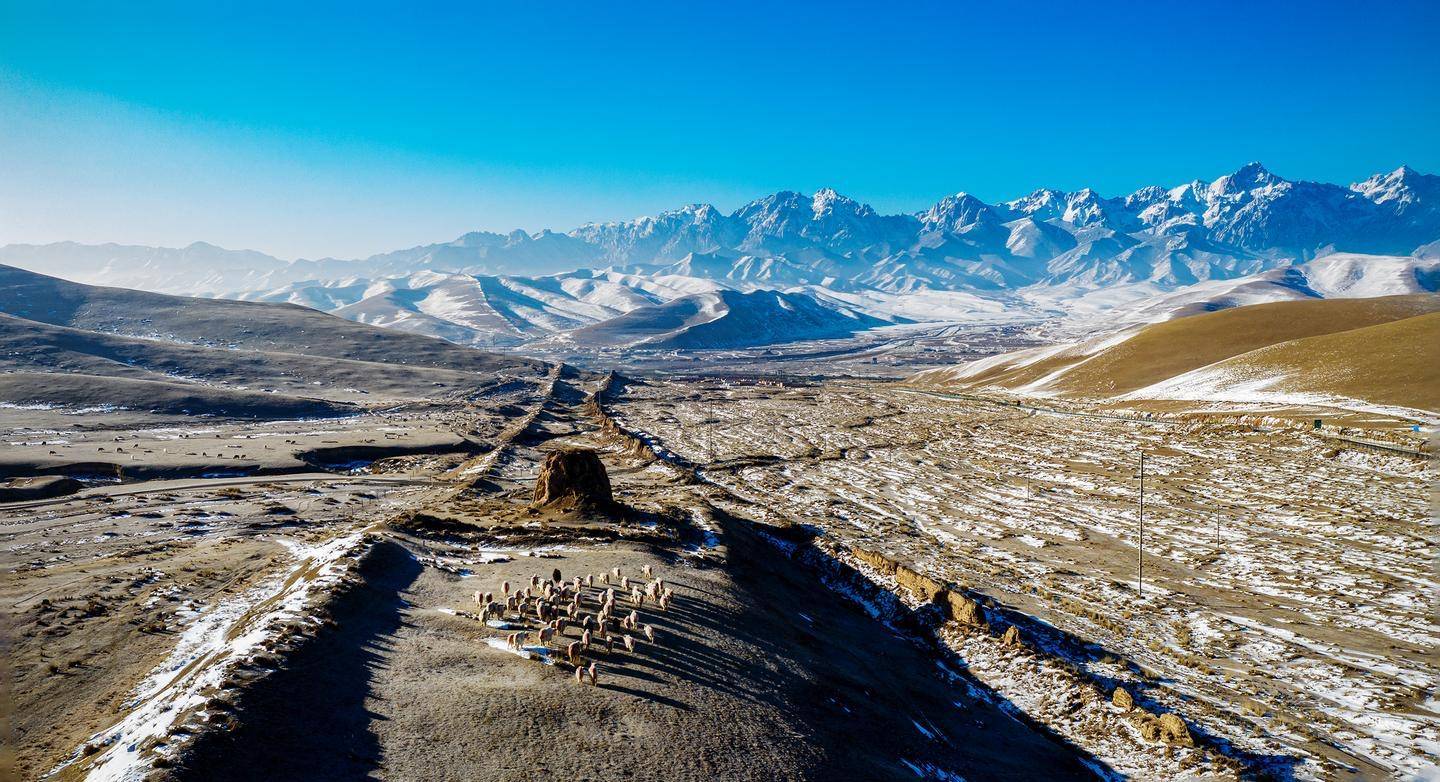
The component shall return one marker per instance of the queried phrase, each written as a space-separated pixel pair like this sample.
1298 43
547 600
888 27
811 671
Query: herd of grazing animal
586 604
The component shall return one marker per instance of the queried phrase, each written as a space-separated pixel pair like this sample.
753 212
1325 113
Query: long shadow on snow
308 721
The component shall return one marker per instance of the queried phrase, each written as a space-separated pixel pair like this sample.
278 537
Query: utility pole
1140 549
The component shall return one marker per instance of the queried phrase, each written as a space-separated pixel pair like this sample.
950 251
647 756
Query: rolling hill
1394 364
74 346
724 319
234 325
1297 345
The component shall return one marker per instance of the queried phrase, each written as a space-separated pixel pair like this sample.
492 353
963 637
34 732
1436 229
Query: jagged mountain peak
1042 203
826 202
1249 177
957 212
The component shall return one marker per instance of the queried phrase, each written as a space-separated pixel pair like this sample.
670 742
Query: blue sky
347 129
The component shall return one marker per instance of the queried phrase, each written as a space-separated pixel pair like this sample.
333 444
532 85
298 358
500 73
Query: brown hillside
1165 350
1396 363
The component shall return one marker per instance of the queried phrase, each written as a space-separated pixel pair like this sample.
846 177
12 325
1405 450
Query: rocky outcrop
573 477
1173 731
964 610
928 590
876 560
925 588
1122 699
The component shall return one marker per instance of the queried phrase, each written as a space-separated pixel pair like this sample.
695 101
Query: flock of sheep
588 604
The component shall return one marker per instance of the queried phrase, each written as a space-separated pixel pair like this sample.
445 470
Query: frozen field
1288 583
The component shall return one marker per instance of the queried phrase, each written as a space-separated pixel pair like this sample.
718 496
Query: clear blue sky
347 129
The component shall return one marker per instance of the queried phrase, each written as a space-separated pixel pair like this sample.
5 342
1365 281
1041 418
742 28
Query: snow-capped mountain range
840 265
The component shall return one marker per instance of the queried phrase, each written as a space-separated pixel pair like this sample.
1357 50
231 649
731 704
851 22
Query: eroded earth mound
573 477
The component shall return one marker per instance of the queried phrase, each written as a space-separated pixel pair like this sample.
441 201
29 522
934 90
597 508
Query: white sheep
579 675
646 571
477 597
629 644
546 634
594 680
650 633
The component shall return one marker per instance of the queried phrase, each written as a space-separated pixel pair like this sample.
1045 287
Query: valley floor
318 623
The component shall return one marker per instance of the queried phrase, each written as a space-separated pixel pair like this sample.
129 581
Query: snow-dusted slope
1337 276
723 319
488 309
1341 348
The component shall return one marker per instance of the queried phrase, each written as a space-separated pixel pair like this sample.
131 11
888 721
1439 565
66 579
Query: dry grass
1165 350
1396 363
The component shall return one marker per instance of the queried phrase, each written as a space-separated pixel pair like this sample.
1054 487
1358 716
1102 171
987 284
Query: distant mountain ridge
1047 246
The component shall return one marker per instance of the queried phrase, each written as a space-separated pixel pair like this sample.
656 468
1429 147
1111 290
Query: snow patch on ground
220 636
